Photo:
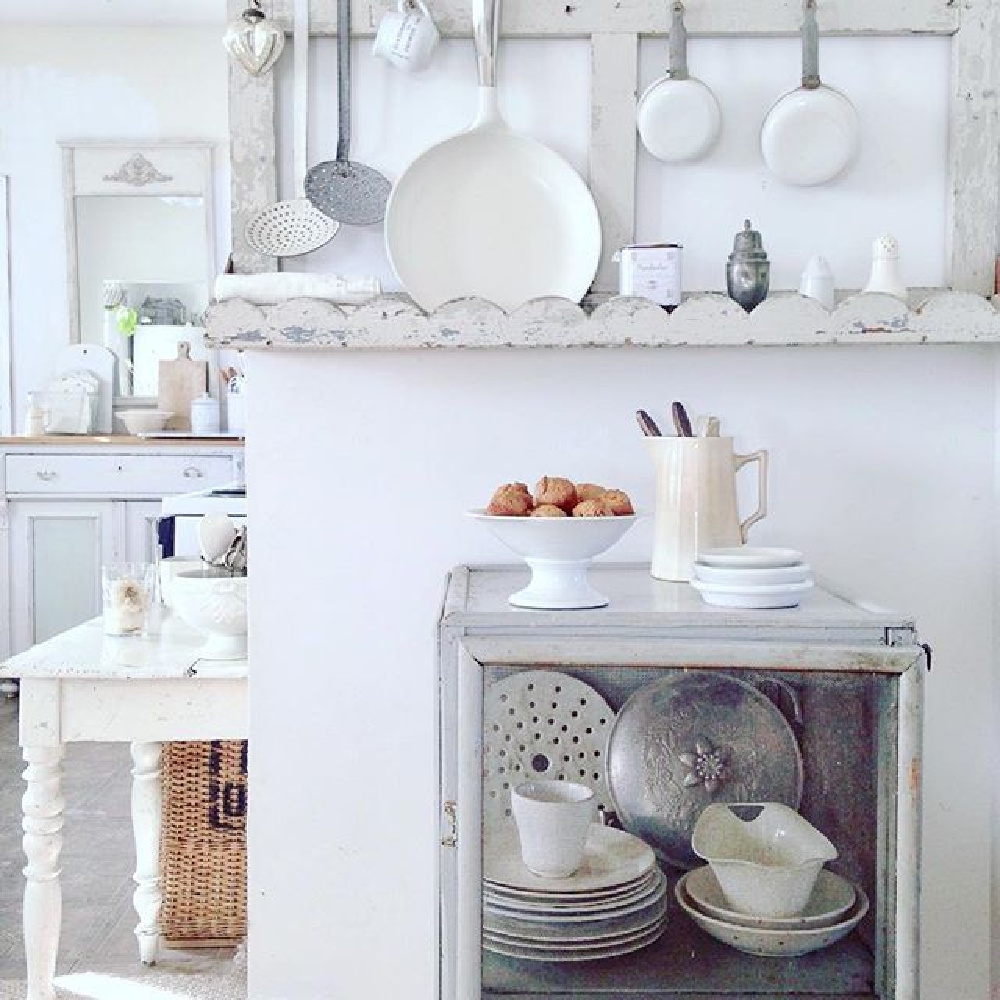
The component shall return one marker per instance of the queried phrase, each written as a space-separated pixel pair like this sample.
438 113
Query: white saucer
752 576
587 954
782 595
604 909
746 556
611 858
569 905
832 897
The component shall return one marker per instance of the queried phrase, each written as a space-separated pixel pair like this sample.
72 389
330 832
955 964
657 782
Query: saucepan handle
486 35
760 457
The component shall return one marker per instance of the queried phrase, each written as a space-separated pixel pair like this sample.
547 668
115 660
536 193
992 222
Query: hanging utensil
254 41
678 116
490 212
293 227
811 134
343 189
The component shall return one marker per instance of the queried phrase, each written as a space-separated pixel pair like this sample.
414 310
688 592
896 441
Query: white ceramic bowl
558 551
144 421
771 942
763 576
727 595
832 897
213 601
765 856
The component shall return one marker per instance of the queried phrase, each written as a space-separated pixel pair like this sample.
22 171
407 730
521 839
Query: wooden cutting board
181 380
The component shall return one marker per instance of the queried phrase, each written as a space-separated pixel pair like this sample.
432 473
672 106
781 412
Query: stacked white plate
748 577
615 903
833 911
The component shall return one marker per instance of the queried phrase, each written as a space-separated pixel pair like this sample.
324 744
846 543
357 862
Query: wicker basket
203 855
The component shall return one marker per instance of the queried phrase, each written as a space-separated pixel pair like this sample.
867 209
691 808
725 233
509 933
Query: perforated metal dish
542 723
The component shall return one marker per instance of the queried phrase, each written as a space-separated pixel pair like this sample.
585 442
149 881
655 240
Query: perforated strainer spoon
343 189
294 227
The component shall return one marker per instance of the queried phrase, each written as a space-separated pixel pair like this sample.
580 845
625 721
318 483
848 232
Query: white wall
71 83
881 471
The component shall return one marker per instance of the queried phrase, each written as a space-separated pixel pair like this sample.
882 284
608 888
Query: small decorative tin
651 271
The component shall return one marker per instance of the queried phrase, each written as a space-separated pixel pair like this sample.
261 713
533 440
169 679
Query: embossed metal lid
747 244
689 739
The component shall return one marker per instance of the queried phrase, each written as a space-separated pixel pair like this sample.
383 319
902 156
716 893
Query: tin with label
651 271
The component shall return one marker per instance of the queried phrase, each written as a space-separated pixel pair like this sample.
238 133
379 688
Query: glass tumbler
129 590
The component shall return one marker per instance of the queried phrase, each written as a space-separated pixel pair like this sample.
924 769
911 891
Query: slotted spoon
293 227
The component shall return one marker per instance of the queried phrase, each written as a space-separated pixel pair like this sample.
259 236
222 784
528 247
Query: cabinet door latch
450 838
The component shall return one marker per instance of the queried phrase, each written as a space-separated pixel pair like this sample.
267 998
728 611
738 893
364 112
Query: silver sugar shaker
748 271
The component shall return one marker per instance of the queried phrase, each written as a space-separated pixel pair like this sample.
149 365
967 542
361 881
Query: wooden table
84 686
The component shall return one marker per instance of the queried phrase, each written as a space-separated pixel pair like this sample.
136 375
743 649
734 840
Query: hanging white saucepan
490 212
811 134
678 116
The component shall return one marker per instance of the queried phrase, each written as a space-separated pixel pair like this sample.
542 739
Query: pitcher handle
760 457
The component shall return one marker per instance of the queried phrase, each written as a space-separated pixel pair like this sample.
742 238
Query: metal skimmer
343 189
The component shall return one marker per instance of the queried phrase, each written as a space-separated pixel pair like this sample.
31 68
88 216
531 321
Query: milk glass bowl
214 601
765 856
558 551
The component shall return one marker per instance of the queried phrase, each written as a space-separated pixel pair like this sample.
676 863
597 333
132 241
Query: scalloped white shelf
394 322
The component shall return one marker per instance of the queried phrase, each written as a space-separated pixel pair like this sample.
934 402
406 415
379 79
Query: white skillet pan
678 116
811 134
489 212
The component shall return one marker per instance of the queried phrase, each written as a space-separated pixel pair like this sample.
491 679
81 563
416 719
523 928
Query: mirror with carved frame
140 251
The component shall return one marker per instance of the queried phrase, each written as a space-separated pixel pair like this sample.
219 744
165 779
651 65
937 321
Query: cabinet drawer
116 475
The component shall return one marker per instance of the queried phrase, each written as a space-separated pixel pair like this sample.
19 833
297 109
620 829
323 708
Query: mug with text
407 36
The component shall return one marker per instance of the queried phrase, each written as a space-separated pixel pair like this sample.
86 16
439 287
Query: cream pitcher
696 500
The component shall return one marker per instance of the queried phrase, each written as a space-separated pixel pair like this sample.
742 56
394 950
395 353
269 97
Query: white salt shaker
205 419
817 281
885 277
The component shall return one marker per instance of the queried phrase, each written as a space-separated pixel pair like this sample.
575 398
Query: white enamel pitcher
696 500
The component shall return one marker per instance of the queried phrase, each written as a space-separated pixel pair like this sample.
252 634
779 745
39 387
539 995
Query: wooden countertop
117 440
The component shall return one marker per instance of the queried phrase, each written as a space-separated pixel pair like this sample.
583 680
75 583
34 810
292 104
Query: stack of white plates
833 911
746 577
615 903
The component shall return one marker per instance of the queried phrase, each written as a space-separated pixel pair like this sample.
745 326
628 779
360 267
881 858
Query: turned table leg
146 802
42 807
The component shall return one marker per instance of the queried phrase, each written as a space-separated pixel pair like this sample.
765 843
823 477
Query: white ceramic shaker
885 276
817 281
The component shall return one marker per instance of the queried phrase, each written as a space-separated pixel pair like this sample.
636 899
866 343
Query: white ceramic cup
407 37
553 818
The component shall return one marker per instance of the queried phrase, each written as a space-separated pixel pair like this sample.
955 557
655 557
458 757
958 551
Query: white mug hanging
253 41
407 36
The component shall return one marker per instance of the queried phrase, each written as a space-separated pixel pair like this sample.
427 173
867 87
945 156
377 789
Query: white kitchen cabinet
67 507
56 552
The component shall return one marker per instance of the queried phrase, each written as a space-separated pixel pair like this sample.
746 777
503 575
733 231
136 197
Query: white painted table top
637 598
86 652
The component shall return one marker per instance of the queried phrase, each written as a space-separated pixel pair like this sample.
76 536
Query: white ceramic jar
205 419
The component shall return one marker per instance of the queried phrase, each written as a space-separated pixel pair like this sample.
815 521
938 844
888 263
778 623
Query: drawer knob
46 475
193 472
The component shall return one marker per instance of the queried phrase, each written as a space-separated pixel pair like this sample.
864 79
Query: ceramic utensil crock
696 504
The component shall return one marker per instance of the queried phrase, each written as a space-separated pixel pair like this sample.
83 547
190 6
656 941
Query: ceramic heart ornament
254 41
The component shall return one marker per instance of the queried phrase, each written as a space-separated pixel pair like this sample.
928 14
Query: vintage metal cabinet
850 680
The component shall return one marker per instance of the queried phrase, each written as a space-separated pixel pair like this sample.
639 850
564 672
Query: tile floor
97 863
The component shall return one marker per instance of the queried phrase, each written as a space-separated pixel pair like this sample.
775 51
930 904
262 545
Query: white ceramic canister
205 419
651 271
